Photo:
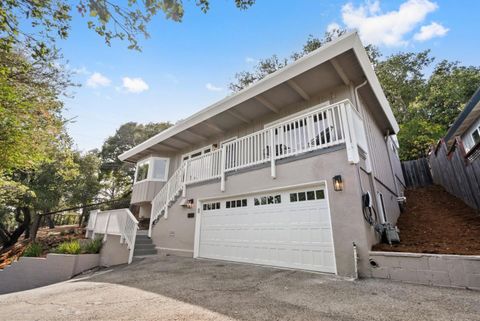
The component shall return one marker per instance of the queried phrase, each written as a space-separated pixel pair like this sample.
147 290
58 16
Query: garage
288 228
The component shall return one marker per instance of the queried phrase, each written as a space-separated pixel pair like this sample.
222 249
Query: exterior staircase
144 245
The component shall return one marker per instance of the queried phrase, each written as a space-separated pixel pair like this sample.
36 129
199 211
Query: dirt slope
436 222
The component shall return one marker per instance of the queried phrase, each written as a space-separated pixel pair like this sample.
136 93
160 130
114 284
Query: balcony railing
321 128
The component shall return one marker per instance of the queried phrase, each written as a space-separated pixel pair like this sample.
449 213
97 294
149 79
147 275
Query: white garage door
285 229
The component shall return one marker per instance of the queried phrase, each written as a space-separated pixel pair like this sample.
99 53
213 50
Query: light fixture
188 203
337 183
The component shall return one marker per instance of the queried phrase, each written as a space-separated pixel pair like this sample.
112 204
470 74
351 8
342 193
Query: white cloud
333 26
212 87
98 80
81 71
430 31
250 60
389 28
134 85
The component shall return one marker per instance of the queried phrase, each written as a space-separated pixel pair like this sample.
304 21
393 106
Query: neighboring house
275 174
467 125
455 160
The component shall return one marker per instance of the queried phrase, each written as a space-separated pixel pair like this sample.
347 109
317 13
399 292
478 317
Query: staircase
144 245
167 196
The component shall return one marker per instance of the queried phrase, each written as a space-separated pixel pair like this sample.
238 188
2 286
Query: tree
402 77
86 187
47 21
116 176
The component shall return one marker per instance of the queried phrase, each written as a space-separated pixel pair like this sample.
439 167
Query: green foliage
33 250
69 247
116 176
416 135
92 246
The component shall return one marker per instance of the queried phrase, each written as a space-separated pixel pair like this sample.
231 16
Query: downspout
391 165
371 174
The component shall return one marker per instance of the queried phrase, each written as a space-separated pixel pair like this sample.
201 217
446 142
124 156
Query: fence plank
456 173
417 173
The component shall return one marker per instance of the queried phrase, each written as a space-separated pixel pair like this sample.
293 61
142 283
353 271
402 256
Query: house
276 174
455 160
467 125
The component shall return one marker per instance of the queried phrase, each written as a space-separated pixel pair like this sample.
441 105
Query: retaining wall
459 271
32 272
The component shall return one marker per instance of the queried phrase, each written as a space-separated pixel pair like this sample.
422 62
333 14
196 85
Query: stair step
142 237
144 246
144 252
137 241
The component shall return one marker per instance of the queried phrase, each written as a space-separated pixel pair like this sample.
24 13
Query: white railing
204 167
115 222
167 194
324 127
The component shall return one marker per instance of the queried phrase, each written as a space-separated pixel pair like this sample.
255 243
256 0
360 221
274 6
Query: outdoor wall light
187 203
337 183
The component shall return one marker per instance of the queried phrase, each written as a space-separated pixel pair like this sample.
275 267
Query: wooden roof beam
267 104
239 116
298 89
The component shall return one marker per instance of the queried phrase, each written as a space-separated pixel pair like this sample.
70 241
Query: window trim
151 161
201 150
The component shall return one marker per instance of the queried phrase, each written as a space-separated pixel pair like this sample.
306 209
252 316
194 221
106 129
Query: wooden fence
417 173
457 171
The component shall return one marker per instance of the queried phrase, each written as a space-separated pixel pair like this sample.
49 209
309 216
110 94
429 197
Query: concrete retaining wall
113 252
32 272
459 271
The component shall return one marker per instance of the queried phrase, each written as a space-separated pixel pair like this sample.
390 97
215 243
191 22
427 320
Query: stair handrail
168 192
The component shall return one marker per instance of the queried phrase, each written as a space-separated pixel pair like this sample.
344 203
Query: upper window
196 153
476 136
153 168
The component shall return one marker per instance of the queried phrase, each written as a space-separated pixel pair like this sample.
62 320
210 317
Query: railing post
273 168
132 246
106 226
350 139
150 224
222 168
185 173
95 223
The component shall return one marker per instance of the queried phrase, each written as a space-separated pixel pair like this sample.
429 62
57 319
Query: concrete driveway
174 288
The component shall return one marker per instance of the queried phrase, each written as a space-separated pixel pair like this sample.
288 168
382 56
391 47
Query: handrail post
150 224
132 246
106 226
273 169
185 173
95 223
222 168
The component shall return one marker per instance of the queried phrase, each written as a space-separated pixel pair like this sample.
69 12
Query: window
267 200
236 203
211 206
153 168
312 195
142 171
196 153
476 136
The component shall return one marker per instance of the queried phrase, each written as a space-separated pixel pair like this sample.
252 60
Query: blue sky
187 66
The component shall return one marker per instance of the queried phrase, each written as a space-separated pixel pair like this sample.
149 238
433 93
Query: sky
184 67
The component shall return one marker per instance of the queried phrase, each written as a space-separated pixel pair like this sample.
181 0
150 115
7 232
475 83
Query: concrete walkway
173 288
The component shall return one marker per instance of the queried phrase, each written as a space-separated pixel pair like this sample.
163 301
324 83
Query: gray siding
145 191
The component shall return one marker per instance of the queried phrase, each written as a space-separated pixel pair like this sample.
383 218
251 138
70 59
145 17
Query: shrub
69 247
92 246
33 250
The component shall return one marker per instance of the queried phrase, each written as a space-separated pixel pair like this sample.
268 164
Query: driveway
174 288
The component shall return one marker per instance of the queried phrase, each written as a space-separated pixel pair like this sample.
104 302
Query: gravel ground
174 288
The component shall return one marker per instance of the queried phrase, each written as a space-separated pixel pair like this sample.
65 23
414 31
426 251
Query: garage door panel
286 233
